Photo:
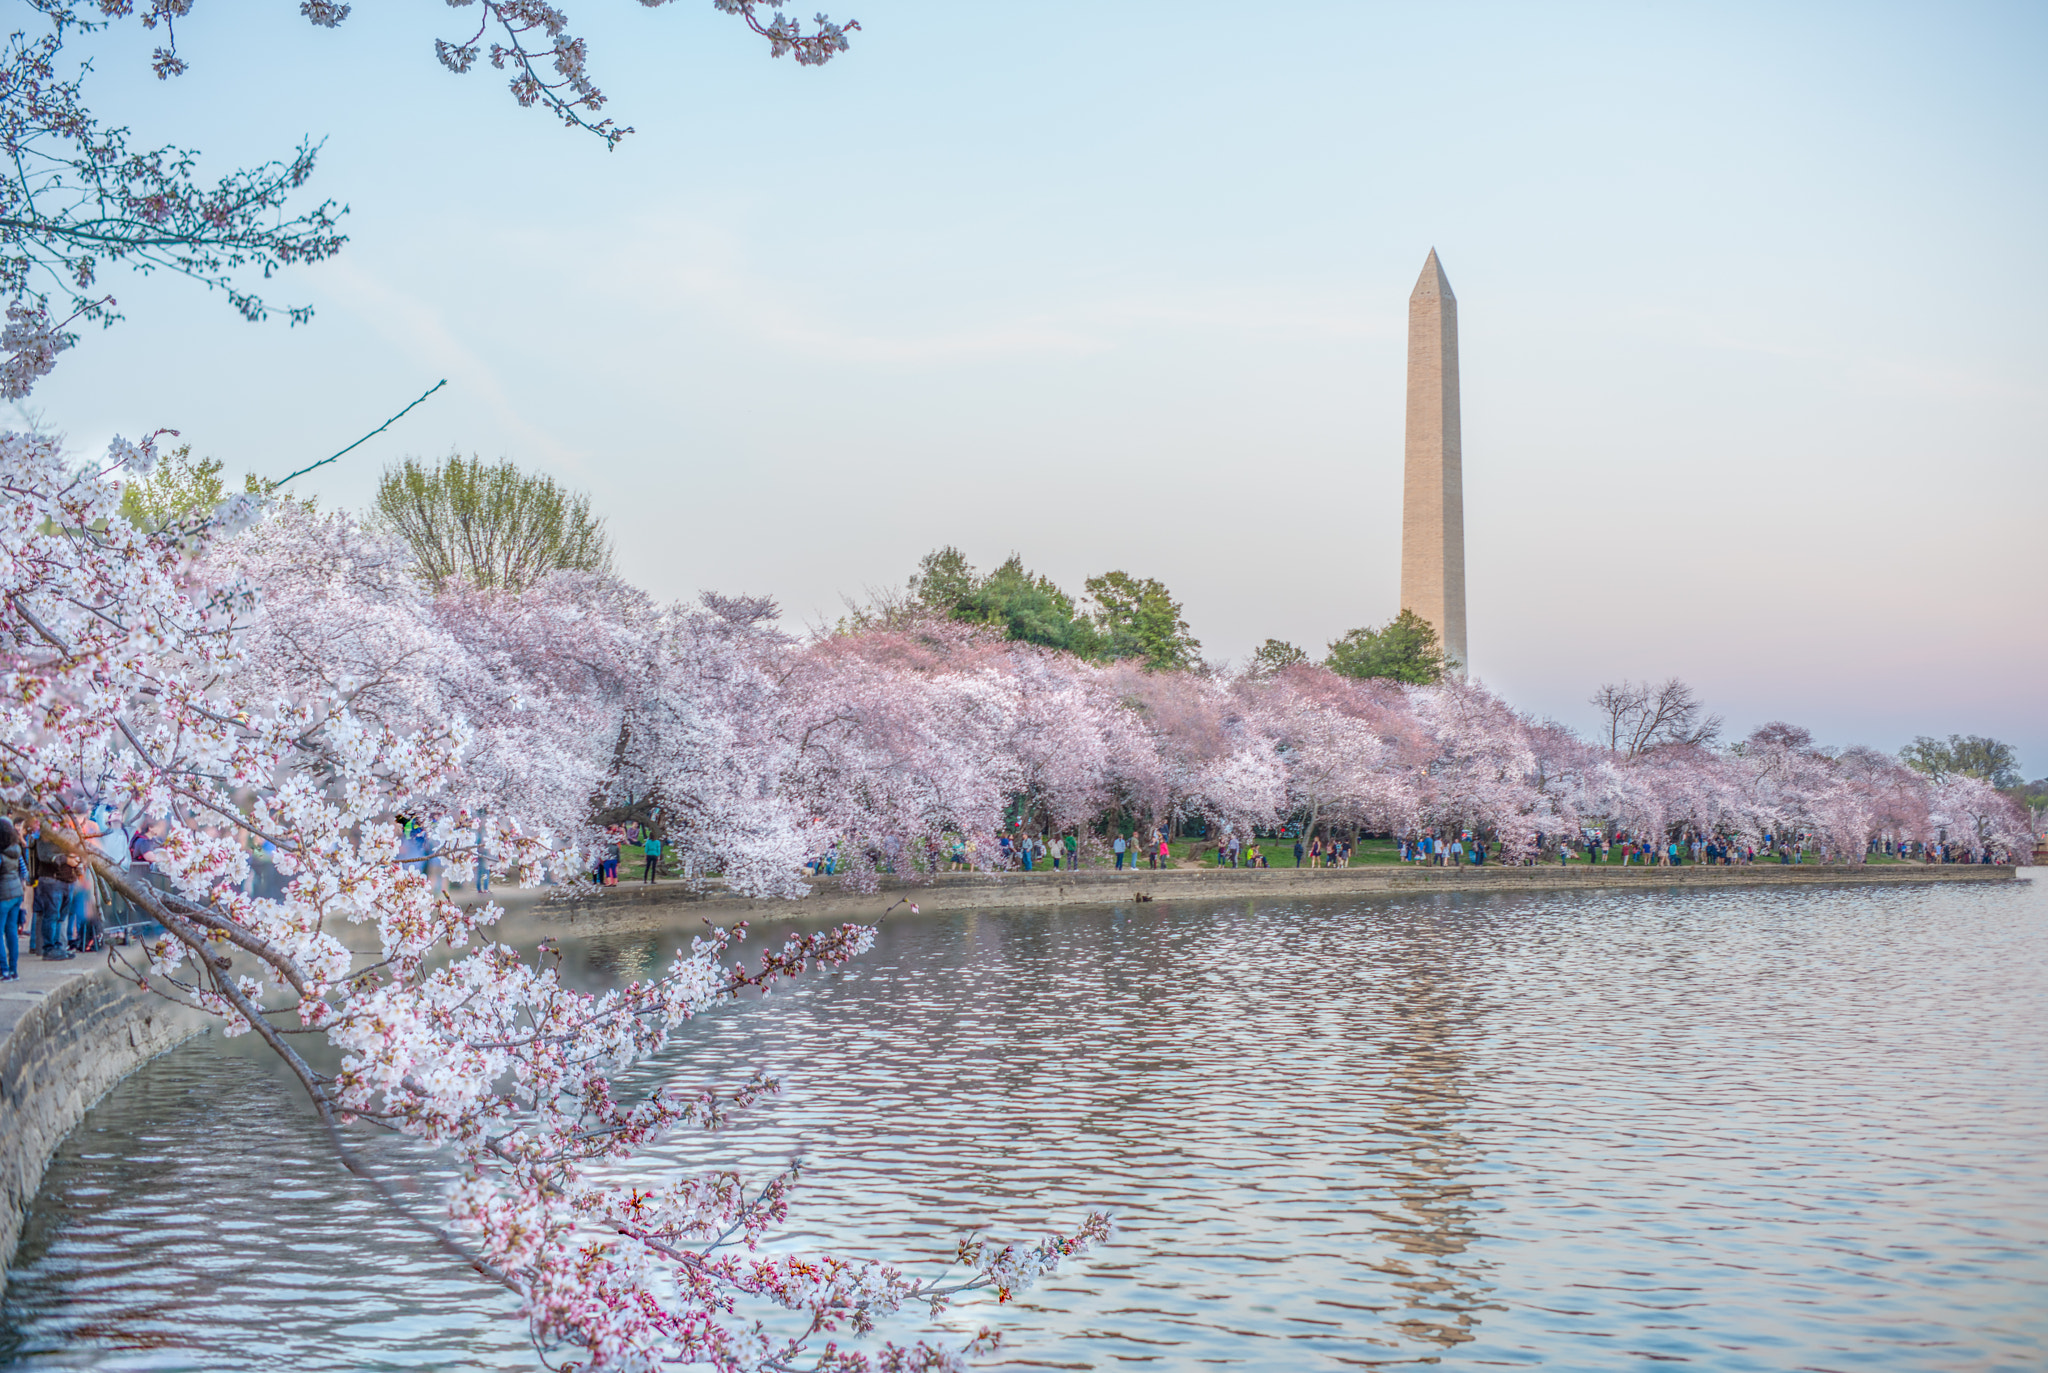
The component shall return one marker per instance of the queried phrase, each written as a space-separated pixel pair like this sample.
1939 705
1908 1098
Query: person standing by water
53 901
140 848
1118 848
10 901
650 848
436 866
482 855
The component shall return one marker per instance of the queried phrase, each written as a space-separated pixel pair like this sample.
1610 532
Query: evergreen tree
1133 617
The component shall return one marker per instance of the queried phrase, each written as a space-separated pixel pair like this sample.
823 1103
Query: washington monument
1433 489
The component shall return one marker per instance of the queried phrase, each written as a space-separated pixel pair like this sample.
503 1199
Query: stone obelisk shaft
1433 491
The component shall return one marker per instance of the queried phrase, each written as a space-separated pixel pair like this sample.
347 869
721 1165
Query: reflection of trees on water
1425 1006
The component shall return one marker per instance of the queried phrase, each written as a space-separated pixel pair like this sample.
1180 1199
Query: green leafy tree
1139 618
1964 755
178 488
1133 617
1030 607
944 581
1405 649
1023 604
490 524
2034 796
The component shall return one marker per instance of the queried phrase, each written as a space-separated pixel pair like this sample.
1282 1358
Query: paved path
40 977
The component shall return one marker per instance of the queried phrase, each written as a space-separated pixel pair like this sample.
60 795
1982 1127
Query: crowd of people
1119 849
49 902
51 906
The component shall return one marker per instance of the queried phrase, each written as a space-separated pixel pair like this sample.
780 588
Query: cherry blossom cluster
79 199
897 739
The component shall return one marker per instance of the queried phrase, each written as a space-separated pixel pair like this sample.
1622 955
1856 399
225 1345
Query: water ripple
1742 1130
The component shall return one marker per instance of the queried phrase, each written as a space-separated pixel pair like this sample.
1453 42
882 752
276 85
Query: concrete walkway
39 978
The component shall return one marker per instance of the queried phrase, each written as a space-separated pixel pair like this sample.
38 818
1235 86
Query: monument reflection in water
1767 1129
1438 1162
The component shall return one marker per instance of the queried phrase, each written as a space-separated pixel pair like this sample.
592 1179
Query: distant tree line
1124 617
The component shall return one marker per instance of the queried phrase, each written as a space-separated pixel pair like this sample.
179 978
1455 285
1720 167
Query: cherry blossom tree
1484 773
1970 812
78 198
1333 759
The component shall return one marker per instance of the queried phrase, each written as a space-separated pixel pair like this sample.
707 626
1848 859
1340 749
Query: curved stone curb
68 1032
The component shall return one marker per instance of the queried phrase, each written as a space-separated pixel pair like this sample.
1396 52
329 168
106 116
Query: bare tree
1643 716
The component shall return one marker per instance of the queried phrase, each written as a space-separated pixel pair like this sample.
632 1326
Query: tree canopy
1132 617
1022 603
1964 755
1405 649
490 524
1273 655
1138 617
180 488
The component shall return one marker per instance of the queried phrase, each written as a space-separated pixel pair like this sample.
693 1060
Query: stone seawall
68 1032
830 899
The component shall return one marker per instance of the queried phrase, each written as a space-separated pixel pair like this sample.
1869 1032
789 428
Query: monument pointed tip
1432 282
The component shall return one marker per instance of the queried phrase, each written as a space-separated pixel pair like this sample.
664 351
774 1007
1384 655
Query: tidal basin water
1742 1130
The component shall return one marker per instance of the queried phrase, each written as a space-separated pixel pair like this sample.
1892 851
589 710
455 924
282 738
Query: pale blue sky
1753 304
